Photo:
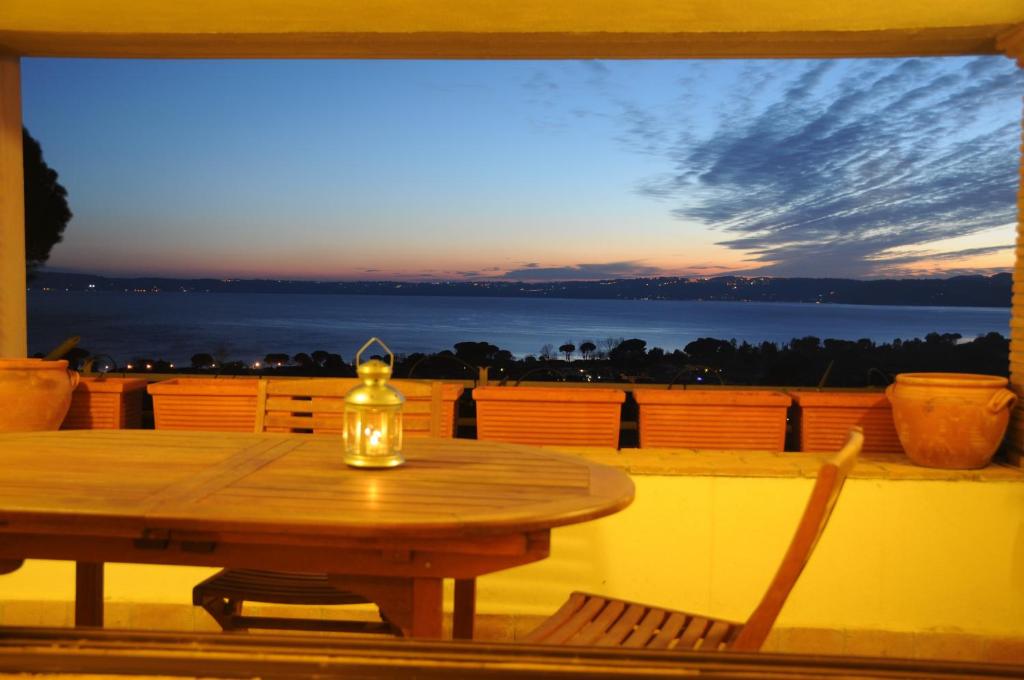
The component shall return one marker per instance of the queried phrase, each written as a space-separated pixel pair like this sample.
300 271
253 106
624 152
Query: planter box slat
105 404
713 419
549 415
209 404
826 418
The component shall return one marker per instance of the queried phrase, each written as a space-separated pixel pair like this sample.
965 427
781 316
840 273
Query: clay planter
950 420
34 394
713 419
104 403
213 404
549 415
826 418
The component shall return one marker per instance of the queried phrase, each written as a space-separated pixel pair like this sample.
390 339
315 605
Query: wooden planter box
104 403
549 415
212 404
713 419
826 418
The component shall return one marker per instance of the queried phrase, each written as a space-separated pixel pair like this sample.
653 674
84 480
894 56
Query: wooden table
458 509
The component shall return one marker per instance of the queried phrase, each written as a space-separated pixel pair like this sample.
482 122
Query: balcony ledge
736 463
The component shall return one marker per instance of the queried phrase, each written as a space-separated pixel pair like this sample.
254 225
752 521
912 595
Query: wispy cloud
946 256
834 169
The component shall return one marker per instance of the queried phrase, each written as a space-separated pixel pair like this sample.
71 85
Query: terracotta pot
34 394
950 420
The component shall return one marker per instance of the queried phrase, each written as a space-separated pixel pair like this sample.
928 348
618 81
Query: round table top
111 482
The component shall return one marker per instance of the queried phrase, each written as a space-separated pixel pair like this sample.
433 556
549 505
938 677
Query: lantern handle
380 342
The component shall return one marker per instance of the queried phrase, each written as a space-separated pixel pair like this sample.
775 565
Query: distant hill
959 291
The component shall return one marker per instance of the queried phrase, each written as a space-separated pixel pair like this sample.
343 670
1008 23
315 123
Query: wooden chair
317 407
594 620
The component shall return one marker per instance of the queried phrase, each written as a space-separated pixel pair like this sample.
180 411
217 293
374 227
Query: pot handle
889 390
74 377
1002 399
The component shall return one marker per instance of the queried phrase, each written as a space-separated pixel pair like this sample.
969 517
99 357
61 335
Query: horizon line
429 281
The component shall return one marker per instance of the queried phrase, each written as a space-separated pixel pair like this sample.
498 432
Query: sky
527 170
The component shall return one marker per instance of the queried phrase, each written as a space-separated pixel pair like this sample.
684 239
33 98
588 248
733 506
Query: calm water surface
174 326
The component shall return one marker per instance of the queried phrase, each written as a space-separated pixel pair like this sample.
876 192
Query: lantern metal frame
373 398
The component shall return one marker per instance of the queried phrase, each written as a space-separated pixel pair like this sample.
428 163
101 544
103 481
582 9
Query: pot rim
965 380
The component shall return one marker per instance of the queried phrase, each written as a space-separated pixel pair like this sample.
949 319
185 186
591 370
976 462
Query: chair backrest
826 490
317 406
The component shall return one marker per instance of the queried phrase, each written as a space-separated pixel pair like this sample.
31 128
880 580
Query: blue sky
531 170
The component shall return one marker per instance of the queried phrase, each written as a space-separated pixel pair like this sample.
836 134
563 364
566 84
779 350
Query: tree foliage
46 205
567 349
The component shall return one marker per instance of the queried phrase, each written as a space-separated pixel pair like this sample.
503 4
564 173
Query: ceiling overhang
526 29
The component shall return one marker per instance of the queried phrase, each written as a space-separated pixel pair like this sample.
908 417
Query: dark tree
705 347
629 354
567 349
46 205
587 348
202 360
477 353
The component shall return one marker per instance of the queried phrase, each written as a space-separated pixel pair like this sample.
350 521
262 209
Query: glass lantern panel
373 431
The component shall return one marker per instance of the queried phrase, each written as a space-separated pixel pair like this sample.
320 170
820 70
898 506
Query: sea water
246 327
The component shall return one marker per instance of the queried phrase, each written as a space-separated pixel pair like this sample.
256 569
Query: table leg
465 608
427 600
411 604
89 594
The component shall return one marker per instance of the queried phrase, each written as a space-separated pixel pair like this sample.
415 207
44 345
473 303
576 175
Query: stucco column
1012 44
13 324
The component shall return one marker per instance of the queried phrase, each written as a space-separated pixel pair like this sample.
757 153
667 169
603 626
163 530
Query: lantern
373 415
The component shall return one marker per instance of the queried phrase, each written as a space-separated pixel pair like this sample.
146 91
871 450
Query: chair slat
314 405
568 608
623 627
694 632
669 630
597 628
585 614
716 635
645 629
